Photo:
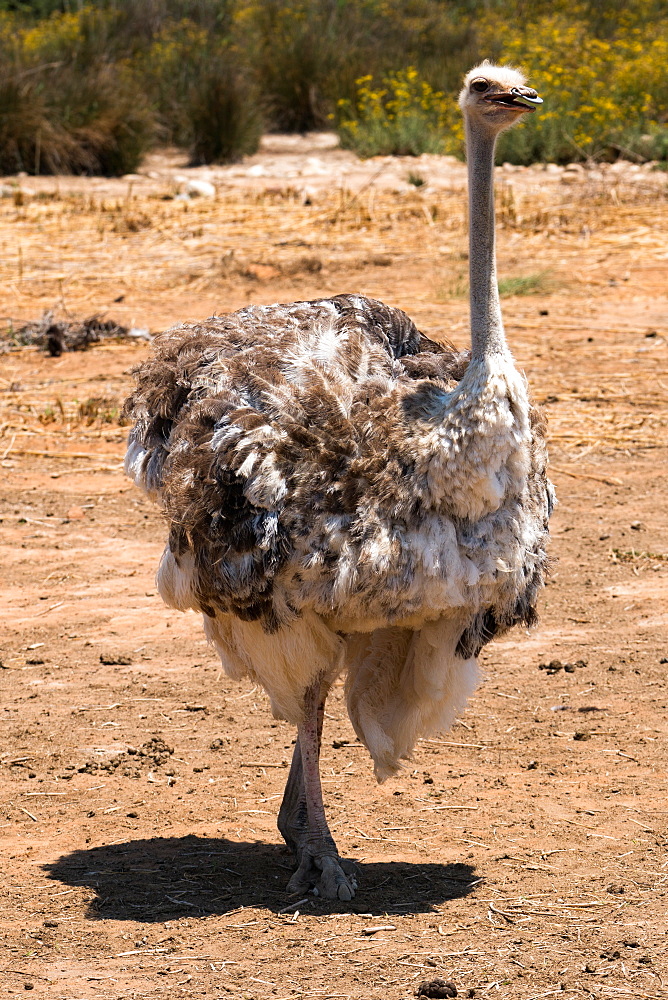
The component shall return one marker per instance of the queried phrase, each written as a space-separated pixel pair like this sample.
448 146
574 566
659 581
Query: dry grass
80 241
81 251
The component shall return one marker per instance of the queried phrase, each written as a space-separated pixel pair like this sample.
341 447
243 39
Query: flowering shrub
405 116
603 96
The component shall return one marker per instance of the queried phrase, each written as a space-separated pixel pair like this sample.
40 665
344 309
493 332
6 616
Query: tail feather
403 685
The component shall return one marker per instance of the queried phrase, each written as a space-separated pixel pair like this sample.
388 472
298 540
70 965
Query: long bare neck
487 335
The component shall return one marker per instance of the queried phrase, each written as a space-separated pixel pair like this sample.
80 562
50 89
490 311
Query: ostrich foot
324 873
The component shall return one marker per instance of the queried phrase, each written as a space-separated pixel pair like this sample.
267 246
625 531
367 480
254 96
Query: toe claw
324 875
346 893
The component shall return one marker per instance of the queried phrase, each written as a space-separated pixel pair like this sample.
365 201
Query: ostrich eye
480 85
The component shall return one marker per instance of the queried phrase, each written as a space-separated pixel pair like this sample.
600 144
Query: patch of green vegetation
88 85
525 284
631 555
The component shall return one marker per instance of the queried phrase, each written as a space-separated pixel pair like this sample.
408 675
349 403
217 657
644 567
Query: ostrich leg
302 820
293 815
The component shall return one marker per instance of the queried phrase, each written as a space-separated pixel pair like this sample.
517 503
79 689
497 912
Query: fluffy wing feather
250 427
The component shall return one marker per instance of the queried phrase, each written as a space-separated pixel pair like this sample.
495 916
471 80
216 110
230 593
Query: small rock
637 526
582 735
115 659
616 890
553 667
49 923
437 988
76 513
200 189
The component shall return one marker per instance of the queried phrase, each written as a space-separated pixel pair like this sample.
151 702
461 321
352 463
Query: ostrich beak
518 98
526 97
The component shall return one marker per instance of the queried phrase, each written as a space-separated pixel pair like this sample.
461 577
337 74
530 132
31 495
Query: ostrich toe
324 874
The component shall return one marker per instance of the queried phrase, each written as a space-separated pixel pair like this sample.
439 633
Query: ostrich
345 495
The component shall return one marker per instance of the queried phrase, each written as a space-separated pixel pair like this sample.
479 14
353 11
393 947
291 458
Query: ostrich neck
487 336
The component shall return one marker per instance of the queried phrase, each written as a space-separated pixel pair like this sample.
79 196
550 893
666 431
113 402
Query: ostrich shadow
164 878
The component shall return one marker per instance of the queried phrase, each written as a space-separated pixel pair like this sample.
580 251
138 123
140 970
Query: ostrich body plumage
345 495
314 461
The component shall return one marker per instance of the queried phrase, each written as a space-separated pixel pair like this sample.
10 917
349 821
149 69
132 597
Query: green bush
603 80
205 99
308 54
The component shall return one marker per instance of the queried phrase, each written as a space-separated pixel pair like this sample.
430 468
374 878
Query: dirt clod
437 988
154 753
115 659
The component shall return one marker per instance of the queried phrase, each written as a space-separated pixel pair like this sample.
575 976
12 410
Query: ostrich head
495 97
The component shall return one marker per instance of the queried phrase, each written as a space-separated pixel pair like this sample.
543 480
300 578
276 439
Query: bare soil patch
521 855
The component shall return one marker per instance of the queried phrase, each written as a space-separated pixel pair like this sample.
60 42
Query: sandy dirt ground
522 854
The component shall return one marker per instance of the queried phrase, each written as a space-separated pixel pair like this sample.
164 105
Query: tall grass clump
64 109
57 119
224 112
205 98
